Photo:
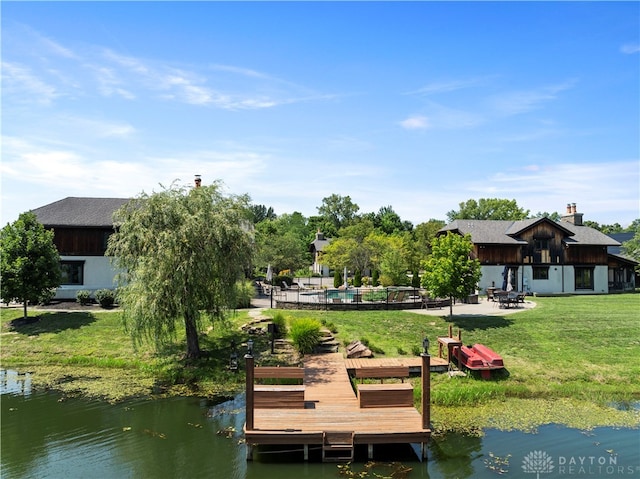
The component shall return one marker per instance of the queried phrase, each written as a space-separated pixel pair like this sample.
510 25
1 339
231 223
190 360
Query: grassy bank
89 353
571 360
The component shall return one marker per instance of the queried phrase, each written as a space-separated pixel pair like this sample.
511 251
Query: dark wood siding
498 254
81 241
585 255
544 245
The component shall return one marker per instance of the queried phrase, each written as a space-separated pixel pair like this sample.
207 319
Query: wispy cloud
21 83
630 48
522 101
449 86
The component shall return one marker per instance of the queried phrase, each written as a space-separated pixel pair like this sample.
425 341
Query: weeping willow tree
180 252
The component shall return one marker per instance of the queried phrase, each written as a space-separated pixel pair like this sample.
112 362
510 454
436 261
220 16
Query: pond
45 435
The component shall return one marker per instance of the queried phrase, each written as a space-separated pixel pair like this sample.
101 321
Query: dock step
337 446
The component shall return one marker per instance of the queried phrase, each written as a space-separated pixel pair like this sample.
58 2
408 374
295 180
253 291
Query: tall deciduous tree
450 272
30 263
338 210
182 252
488 209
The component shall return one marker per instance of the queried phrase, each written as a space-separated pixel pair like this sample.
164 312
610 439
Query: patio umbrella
509 285
346 284
505 273
269 276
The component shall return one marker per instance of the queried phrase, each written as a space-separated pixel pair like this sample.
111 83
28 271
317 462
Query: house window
541 244
540 272
72 272
584 277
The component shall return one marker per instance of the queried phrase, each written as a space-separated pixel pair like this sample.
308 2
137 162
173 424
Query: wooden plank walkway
331 406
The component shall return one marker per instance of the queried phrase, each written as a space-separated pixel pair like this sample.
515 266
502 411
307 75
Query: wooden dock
332 417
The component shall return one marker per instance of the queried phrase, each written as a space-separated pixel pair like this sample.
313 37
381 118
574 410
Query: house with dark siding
546 256
81 228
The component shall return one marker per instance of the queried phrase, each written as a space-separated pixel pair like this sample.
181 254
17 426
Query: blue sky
418 105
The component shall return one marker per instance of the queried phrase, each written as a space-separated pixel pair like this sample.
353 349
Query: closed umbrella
509 285
346 284
269 274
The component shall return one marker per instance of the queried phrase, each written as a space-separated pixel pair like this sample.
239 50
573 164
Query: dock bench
385 395
275 372
382 372
273 396
278 396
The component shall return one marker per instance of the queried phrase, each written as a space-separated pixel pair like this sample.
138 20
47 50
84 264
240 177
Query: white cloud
20 83
416 122
522 101
630 48
449 86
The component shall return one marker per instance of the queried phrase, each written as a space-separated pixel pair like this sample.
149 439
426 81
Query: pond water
45 435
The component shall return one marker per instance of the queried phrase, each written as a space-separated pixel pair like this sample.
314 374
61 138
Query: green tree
283 243
450 272
261 212
338 210
488 209
555 216
30 263
388 221
181 252
631 248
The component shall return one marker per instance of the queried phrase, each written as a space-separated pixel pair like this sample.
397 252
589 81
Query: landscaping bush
47 296
281 325
106 297
245 292
337 279
83 297
305 334
357 279
375 278
282 278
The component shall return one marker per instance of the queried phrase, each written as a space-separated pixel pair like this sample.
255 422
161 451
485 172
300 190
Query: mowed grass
570 360
90 354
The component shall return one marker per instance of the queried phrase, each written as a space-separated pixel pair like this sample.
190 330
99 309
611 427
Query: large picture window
584 277
540 272
72 272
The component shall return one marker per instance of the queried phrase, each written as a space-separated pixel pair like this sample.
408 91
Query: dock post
249 391
426 390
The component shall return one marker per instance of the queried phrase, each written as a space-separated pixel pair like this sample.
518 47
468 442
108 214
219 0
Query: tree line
183 251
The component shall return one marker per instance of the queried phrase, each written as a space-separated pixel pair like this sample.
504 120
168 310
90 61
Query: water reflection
47 436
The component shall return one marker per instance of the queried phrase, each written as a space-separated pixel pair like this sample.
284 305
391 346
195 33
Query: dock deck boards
334 407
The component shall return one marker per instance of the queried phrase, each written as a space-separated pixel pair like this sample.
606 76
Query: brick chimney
572 216
198 181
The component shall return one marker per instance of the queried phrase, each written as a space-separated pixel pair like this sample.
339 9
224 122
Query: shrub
83 296
415 280
47 296
282 278
415 350
357 279
386 280
281 325
305 334
375 278
337 279
245 292
106 297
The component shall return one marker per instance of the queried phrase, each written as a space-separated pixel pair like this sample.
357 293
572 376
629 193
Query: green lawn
570 360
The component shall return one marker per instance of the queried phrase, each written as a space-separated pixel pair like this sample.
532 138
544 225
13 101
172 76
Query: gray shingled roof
80 212
506 232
